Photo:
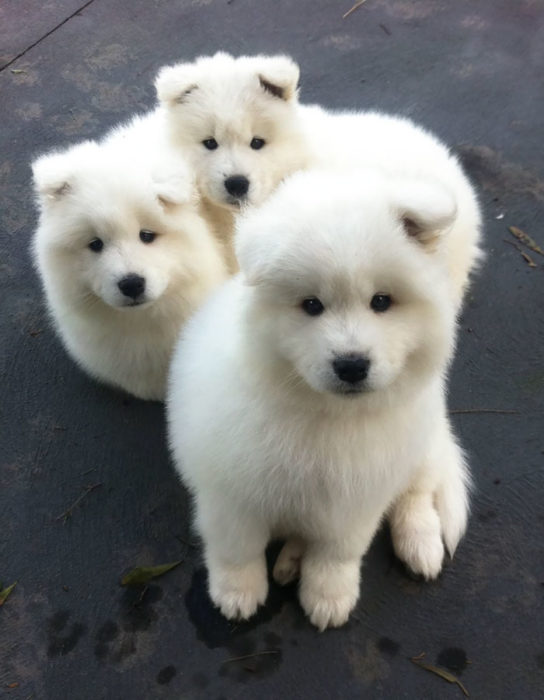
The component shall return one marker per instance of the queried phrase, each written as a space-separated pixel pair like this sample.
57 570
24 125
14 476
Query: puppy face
236 118
350 287
108 230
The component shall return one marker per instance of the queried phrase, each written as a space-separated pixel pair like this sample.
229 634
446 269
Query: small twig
385 29
523 254
525 239
92 469
484 410
251 656
68 512
446 675
357 5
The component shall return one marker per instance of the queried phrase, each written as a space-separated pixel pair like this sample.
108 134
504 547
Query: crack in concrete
22 53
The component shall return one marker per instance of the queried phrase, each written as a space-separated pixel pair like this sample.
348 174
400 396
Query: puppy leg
415 529
452 497
234 553
330 576
433 511
287 566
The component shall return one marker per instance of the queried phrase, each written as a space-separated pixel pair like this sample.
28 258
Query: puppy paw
421 551
417 538
452 507
287 566
329 596
238 591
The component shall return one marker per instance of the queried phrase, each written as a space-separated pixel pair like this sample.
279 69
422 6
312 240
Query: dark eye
312 306
380 303
147 236
210 144
96 245
257 143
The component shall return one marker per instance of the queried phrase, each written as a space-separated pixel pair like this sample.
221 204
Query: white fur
223 97
112 191
262 430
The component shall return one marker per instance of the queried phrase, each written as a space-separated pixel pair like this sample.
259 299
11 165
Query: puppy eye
257 143
96 245
380 303
210 144
313 306
147 236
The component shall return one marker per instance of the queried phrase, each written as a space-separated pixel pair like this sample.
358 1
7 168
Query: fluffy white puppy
237 121
124 257
308 395
241 125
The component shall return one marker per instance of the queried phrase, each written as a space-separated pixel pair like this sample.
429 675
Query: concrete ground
470 71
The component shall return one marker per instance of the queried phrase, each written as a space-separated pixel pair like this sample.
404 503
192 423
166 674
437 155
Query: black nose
237 185
351 368
132 286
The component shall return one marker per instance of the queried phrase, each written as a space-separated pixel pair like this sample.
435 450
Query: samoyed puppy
241 124
237 121
320 371
124 256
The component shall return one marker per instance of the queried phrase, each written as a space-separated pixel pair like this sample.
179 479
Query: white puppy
308 394
241 125
124 257
237 120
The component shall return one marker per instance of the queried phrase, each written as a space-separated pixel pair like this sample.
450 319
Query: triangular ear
174 83
278 76
54 173
426 209
51 180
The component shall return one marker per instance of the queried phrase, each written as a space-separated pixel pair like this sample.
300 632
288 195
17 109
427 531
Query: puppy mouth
235 202
134 303
350 391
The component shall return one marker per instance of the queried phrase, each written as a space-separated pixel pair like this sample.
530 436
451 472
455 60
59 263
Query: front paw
238 591
417 538
330 594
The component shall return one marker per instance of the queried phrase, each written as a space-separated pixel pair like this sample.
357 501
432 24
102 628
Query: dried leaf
446 675
143 574
5 593
528 259
525 239
13 685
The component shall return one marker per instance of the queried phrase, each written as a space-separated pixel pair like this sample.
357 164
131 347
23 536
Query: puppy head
111 227
350 286
237 119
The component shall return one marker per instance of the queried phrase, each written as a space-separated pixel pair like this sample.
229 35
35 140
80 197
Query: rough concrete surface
470 71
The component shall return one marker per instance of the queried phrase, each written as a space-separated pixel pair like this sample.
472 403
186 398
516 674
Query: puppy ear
53 173
426 210
51 179
174 83
278 76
